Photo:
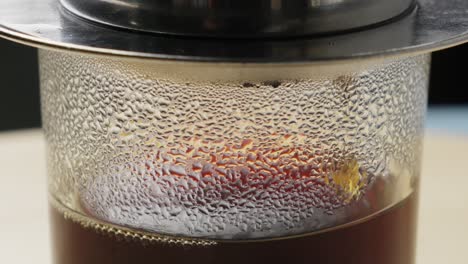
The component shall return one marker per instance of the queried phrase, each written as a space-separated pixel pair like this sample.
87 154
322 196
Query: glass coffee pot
234 131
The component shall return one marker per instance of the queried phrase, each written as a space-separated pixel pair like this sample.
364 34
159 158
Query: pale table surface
443 224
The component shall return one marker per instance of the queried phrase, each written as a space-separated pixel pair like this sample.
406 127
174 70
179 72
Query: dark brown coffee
387 238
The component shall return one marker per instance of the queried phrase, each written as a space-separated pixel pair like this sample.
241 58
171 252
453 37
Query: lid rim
435 25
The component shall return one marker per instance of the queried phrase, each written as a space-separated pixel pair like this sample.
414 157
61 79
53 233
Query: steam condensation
230 159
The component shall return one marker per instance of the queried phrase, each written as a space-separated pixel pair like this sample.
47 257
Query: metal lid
316 37
239 18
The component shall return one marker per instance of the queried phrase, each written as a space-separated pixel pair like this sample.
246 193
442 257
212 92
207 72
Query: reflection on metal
239 18
433 25
123 4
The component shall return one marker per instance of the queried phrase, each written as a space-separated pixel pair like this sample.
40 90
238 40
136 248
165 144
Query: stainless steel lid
239 18
238 30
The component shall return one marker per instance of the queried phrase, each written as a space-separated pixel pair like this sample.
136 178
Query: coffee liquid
385 238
